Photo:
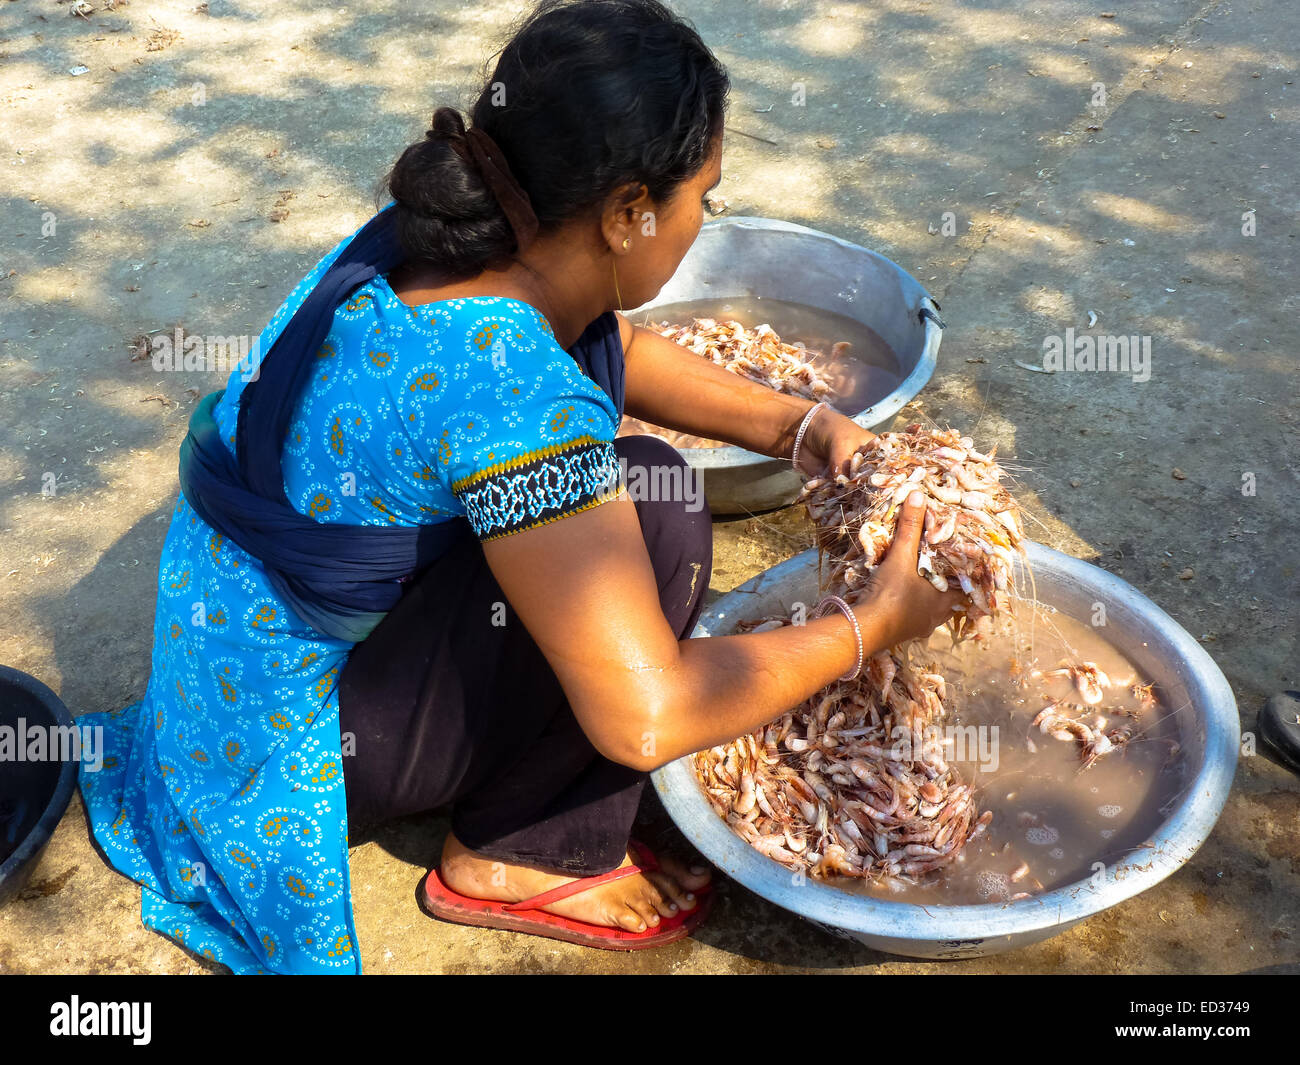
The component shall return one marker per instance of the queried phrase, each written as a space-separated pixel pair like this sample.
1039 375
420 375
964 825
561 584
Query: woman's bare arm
585 589
675 388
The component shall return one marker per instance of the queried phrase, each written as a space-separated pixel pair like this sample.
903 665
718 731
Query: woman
397 577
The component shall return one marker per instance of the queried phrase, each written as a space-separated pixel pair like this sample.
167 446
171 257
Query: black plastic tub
33 794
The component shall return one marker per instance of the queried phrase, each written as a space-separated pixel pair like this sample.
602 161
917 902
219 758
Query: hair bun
447 122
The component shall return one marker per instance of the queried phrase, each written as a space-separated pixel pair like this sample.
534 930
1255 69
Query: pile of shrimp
848 784
757 354
855 781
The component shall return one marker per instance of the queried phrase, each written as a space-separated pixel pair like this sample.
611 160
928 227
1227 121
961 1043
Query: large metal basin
33 794
740 258
1185 675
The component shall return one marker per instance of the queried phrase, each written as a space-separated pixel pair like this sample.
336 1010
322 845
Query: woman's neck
569 305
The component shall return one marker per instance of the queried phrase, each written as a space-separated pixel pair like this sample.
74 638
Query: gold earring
627 243
616 291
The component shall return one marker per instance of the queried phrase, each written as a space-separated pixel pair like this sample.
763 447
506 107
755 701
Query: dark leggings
446 708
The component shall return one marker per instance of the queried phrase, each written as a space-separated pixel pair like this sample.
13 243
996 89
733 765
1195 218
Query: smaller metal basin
1210 734
741 258
33 793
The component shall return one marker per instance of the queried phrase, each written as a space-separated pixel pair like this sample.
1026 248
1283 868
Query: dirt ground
210 154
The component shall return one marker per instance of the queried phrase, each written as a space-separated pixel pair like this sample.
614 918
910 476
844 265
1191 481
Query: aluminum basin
1210 735
33 794
741 258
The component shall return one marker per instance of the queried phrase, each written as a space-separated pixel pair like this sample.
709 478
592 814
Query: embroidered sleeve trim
541 487
526 459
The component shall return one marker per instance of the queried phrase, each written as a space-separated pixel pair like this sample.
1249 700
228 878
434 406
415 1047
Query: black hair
586 96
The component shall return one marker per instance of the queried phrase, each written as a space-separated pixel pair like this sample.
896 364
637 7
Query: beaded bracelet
803 428
847 611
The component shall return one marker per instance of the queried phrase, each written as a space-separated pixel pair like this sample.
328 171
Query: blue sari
222 790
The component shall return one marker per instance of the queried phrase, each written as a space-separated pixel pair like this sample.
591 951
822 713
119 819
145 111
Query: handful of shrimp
972 525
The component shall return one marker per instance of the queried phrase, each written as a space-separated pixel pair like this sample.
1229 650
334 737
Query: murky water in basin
1049 814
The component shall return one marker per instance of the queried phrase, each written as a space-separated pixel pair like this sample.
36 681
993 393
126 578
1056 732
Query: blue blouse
221 791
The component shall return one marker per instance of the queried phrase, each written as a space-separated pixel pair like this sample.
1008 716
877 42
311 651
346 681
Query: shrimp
1087 678
852 782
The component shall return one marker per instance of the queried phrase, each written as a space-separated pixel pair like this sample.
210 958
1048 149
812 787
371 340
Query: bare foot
633 903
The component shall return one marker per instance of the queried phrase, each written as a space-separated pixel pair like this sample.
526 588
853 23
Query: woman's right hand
898 603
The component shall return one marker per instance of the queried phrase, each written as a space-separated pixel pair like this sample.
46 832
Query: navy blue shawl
341 579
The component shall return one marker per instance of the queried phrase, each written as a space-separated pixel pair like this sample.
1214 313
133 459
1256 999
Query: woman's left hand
830 442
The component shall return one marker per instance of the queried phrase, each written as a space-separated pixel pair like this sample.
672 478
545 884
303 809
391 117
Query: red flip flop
528 916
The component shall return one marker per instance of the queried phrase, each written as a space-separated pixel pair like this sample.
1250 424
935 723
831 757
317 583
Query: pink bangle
847 611
803 428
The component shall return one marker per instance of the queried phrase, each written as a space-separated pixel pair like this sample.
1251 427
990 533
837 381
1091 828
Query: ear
621 216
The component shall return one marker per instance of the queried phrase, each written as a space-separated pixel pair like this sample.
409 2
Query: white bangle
803 428
847 611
